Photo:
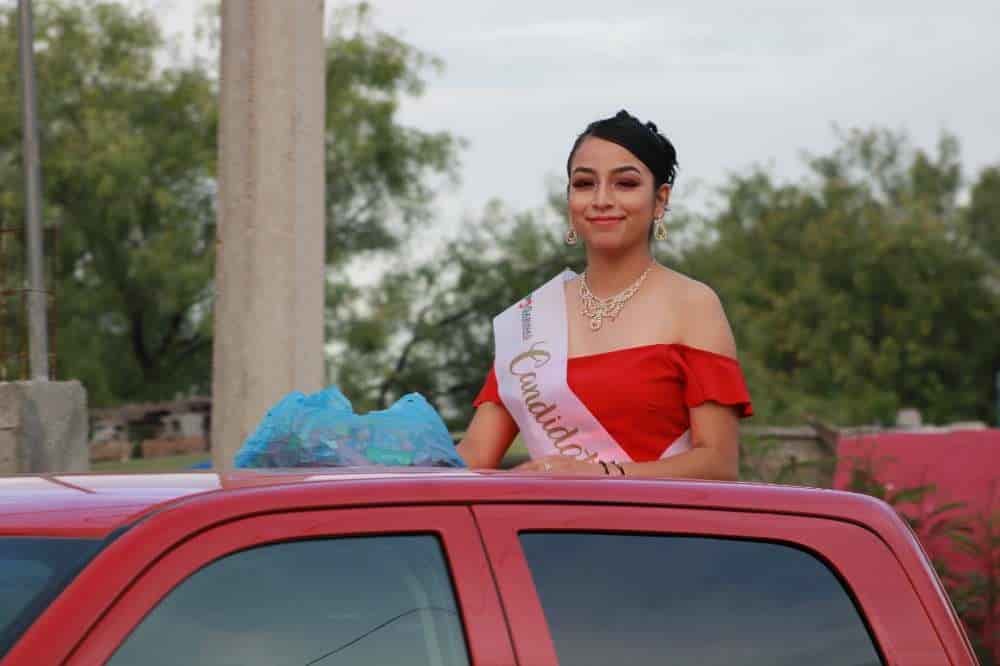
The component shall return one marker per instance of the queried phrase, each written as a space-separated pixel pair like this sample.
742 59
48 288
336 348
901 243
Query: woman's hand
558 464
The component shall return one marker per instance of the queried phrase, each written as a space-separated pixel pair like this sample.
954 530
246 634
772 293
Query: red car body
156 531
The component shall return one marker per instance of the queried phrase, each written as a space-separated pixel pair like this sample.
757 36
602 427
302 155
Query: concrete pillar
43 427
270 243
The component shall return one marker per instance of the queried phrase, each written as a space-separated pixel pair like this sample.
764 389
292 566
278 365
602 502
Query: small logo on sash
525 307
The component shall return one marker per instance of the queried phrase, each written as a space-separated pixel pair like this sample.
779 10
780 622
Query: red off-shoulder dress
641 395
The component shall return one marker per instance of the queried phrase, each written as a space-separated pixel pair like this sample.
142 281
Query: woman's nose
602 195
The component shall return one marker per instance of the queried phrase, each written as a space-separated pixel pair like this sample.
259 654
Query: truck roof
95 505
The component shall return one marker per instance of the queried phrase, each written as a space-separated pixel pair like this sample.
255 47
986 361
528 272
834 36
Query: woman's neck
608 275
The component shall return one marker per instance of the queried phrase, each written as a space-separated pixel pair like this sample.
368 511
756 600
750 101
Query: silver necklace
598 309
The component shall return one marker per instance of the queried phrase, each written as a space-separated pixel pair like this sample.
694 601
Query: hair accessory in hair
641 139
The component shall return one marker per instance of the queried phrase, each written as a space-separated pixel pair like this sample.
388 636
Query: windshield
33 571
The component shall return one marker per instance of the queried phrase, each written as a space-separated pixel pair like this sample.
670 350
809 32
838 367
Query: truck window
318 602
652 599
33 571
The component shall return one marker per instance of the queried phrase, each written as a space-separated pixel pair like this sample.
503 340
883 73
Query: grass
516 454
148 465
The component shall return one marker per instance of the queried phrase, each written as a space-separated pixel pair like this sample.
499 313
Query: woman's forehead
602 155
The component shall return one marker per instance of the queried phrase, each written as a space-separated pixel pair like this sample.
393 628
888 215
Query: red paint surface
176 507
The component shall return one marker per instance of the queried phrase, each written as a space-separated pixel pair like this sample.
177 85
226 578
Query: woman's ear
662 199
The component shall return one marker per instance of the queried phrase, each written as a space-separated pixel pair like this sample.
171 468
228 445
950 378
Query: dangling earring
571 236
660 229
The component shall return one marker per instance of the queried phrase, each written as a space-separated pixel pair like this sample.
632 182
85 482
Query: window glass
655 599
323 602
33 571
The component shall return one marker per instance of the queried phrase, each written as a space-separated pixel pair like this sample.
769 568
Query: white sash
531 352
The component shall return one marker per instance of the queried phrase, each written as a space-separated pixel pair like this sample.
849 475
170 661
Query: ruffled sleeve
711 377
490 391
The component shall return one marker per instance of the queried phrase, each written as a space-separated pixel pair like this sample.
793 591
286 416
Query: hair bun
642 139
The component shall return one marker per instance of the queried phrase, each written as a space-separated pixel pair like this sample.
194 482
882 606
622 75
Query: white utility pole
270 245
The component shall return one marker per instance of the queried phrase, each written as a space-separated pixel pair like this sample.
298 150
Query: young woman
628 369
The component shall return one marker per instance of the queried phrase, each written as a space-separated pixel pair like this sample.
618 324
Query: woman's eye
582 184
629 183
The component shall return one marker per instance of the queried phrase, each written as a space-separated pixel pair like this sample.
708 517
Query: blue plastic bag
322 430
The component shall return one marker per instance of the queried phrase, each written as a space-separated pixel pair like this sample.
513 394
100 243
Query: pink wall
964 465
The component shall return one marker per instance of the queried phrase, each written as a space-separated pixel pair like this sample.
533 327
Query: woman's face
612 196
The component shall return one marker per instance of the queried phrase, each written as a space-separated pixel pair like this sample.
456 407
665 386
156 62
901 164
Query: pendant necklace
598 309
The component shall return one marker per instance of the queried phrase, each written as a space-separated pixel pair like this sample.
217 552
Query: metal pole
37 300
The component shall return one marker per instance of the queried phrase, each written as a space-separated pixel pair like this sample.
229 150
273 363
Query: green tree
377 171
429 328
983 213
129 148
855 292
128 156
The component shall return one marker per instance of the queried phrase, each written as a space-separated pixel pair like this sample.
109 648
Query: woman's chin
612 243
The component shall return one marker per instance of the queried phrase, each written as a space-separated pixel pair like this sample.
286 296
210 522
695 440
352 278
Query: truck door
392 585
637 585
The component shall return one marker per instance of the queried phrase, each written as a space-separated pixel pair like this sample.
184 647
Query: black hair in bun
641 139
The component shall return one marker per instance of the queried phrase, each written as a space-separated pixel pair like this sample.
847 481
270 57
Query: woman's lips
604 221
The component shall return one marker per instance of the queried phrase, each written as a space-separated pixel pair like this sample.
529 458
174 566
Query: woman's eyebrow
627 167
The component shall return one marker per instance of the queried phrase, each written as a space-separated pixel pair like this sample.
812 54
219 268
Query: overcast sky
731 83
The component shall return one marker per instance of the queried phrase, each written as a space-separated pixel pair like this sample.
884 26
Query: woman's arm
488 437
715 443
715 449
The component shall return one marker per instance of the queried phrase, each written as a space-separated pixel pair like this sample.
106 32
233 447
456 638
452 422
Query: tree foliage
868 285
983 214
429 329
376 169
128 156
853 293
129 149
857 292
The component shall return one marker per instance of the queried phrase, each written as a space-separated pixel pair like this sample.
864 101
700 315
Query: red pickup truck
450 567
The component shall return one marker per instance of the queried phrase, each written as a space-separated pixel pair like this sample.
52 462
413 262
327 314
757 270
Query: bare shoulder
685 292
703 319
